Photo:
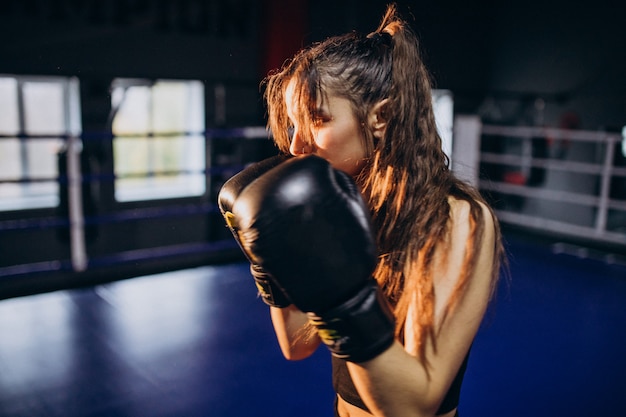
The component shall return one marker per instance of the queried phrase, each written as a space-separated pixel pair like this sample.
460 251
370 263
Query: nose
298 146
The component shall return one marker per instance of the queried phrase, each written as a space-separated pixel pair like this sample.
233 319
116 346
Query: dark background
513 63
568 54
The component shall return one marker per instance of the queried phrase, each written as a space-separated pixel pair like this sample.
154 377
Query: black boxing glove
229 192
306 224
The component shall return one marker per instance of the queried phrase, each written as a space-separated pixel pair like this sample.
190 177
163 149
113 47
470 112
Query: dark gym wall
454 38
569 54
96 41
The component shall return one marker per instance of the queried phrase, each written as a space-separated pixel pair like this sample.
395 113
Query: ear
377 118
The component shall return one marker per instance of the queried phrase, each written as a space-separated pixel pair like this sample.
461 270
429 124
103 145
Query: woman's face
336 134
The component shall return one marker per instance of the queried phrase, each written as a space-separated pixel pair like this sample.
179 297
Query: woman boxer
363 104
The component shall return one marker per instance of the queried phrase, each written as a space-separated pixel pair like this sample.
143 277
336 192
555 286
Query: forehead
298 100
291 98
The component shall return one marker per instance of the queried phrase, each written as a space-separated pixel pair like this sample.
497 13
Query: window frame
71 128
154 188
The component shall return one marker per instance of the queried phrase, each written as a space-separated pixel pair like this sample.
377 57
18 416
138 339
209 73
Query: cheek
343 149
354 143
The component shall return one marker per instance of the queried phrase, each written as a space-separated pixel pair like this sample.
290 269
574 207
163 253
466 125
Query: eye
319 118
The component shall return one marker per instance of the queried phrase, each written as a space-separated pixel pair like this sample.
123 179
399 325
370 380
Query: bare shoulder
462 284
470 241
467 271
462 223
460 210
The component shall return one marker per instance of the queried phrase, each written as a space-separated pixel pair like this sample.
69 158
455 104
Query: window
443 106
38 114
158 145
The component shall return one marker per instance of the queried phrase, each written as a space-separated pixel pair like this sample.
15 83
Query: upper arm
455 326
397 382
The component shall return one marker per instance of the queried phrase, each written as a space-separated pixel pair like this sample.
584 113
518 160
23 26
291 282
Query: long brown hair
407 180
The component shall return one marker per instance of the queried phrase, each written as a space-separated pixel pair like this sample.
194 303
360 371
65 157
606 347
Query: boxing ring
189 336
198 342
92 227
570 183
559 190
75 224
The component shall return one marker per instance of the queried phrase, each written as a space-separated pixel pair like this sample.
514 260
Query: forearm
296 338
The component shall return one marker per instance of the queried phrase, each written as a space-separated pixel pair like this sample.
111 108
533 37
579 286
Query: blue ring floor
199 342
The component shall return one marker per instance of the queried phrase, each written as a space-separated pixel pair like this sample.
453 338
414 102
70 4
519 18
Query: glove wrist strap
359 329
270 294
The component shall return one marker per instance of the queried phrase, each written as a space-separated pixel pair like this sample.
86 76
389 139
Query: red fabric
284 28
516 178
